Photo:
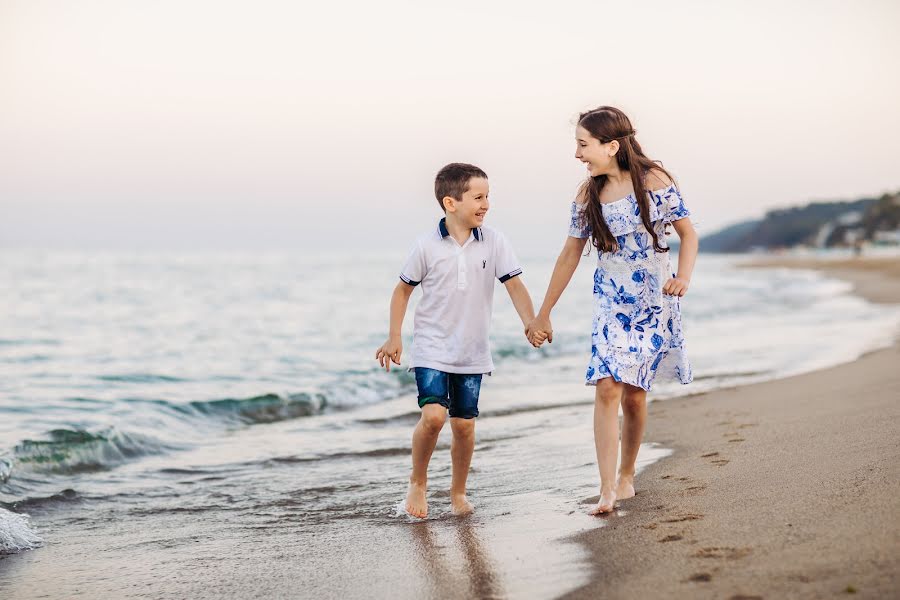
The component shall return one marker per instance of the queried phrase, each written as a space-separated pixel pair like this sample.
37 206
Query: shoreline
786 488
721 499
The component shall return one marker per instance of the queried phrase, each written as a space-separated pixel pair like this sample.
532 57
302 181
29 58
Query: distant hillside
819 224
730 237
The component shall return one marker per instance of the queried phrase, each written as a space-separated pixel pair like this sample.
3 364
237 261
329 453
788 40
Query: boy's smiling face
471 209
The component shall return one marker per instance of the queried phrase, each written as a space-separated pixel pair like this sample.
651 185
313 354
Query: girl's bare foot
416 504
625 487
460 505
606 504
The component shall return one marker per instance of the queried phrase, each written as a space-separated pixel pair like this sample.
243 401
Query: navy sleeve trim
409 281
510 275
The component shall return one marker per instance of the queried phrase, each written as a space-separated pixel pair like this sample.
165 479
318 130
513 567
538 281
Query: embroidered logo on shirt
484 264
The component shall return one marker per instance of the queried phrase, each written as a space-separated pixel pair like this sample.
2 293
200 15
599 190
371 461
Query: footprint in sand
708 454
740 439
745 597
650 526
720 462
671 538
746 425
666 477
700 577
681 518
726 552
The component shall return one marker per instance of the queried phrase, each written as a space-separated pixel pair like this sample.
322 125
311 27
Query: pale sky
215 124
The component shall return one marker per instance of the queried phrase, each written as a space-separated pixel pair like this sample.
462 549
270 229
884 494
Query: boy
455 263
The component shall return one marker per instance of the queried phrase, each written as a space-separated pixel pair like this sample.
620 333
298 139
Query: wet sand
876 279
785 489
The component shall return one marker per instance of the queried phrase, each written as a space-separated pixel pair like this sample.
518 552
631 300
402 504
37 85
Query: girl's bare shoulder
657 179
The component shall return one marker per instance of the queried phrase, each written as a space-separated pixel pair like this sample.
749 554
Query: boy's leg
634 411
461 449
433 400
425 437
606 439
464 392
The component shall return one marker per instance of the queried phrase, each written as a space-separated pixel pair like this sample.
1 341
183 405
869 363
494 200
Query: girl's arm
562 275
687 256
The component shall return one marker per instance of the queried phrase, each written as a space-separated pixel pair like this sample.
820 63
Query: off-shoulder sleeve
578 225
672 205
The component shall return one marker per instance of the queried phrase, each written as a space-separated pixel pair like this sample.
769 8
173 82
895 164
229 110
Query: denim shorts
457 393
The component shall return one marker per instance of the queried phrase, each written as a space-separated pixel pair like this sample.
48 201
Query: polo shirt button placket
461 281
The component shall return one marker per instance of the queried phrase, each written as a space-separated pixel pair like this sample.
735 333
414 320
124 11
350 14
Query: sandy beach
786 489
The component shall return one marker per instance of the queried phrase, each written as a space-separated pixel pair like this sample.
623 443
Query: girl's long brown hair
607 124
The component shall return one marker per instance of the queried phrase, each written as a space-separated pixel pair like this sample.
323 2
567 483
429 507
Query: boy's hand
677 286
539 331
389 351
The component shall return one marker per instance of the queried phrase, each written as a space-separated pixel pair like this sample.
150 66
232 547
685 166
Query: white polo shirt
453 318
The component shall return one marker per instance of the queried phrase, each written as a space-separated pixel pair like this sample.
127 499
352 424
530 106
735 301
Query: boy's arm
393 347
521 299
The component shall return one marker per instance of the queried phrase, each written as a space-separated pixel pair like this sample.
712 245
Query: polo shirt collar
442 227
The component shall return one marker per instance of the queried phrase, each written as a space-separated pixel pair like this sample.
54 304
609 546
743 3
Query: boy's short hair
453 181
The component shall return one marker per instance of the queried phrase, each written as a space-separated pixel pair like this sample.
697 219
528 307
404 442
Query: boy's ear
449 203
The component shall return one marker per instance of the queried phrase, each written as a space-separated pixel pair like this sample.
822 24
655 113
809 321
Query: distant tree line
821 224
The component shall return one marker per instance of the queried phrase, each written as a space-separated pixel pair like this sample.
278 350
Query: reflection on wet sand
479 578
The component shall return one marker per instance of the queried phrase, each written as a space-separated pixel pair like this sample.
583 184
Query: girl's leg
425 437
634 411
606 439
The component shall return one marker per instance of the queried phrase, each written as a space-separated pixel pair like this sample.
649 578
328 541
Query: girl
624 207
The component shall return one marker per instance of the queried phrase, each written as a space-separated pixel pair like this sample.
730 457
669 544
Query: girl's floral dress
637 332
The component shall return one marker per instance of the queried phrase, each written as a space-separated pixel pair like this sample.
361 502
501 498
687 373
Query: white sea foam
16 533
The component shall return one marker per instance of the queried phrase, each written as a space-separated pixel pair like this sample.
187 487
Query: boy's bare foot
460 505
606 504
416 504
625 487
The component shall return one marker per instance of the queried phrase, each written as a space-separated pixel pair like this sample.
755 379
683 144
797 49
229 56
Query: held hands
389 351
677 286
539 331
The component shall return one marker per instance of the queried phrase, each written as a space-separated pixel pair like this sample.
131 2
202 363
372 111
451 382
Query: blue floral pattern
637 333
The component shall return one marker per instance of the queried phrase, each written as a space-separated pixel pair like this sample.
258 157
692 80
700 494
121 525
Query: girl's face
599 158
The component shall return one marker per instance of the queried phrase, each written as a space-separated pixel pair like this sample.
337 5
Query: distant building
850 218
886 238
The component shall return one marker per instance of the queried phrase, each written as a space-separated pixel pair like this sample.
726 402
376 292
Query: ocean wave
16 533
27 342
5 469
141 378
267 408
346 393
374 453
70 451
66 495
